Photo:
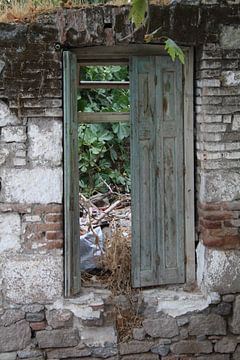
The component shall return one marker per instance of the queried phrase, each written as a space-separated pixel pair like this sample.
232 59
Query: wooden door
157 171
71 178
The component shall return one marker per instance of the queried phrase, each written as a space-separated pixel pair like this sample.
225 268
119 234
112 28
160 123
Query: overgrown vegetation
104 158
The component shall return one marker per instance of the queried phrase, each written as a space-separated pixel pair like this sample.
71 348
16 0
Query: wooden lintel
102 117
103 85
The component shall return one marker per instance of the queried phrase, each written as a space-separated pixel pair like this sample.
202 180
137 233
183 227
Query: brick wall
218 141
35 321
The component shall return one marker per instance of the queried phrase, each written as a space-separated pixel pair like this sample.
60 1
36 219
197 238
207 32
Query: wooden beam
103 85
115 53
102 117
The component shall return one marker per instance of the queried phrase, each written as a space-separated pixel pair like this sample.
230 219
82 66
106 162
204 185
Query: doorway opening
104 175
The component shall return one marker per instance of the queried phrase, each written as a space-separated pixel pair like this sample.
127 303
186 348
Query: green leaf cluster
104 150
138 12
174 51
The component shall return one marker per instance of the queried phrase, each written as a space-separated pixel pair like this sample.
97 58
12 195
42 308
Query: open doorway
162 183
104 175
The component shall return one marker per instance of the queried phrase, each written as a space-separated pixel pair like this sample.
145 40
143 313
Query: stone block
6 117
37 326
15 337
234 324
45 141
38 185
11 316
135 347
161 349
8 356
236 355
226 345
219 186
164 326
35 317
229 298
231 78
211 324
33 308
99 337
59 318
13 134
10 231
33 278
19 162
139 333
29 353
57 338
230 37
236 123
218 270
68 353
192 347
141 357
223 309
214 357
4 152
104 352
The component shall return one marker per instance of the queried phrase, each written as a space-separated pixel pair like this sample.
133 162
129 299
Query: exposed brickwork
219 224
35 321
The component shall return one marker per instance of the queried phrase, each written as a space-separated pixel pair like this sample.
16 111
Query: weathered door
71 177
157 171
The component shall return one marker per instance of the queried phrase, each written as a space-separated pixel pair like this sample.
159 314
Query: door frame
98 55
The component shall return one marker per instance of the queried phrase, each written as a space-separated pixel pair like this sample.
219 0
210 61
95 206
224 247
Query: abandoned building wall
35 321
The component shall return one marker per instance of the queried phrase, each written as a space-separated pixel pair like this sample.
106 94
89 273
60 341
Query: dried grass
117 261
24 10
28 10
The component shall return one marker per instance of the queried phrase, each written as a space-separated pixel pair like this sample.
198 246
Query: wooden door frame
99 55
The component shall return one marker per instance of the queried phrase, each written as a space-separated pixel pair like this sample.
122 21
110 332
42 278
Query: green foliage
138 17
104 148
138 11
174 51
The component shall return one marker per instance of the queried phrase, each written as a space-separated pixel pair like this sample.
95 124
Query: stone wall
176 326
35 321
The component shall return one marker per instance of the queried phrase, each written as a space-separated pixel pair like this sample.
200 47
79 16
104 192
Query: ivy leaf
137 12
174 51
121 130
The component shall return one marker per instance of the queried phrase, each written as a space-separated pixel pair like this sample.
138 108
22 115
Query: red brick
218 215
223 232
232 223
54 235
55 218
224 242
210 206
48 227
41 325
47 209
208 224
234 205
55 244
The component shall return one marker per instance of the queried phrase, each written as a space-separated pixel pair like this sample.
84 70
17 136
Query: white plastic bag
91 249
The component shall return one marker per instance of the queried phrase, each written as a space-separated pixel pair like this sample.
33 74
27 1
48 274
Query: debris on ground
105 239
106 220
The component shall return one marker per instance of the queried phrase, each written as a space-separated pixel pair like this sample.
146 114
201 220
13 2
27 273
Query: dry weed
117 261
